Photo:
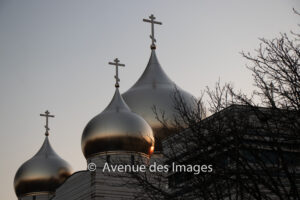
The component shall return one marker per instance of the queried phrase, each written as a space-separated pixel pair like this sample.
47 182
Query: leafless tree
253 143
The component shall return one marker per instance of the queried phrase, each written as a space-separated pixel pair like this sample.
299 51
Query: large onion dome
155 88
42 174
117 130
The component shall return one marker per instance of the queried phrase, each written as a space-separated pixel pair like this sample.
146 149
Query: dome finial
152 18
47 115
117 64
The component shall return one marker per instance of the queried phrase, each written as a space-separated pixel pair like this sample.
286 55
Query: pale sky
54 55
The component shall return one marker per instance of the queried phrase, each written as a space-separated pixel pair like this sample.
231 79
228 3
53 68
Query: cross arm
150 21
43 115
121 65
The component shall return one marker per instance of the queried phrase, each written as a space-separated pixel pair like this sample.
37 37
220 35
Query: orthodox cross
117 64
152 21
47 115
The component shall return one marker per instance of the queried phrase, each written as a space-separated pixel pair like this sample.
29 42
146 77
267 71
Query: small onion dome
155 88
42 174
117 130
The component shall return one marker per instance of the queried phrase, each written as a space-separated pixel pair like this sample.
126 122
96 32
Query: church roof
153 95
153 76
41 174
117 130
155 92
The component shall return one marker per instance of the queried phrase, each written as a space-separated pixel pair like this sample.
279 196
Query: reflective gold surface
117 129
155 88
41 174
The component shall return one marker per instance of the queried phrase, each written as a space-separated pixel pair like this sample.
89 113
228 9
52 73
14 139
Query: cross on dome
117 64
47 115
152 21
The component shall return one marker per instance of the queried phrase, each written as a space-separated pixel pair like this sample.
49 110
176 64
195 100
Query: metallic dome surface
42 174
155 88
116 130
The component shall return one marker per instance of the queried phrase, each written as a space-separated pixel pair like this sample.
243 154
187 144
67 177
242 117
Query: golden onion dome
42 174
117 130
155 88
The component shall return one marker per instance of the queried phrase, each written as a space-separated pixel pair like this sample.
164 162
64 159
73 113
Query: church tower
40 176
155 90
116 136
117 131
